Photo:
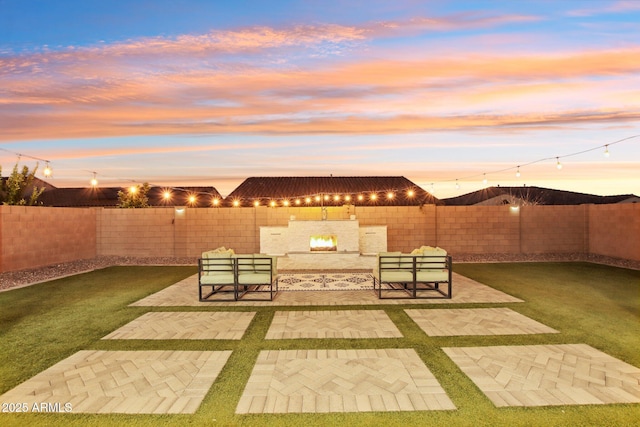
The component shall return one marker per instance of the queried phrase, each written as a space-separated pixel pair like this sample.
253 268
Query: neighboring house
108 197
522 196
329 191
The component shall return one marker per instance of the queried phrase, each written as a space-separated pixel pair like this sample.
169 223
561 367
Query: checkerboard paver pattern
185 326
332 324
130 382
544 375
475 321
314 381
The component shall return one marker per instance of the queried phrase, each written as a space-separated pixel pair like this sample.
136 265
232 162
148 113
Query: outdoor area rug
325 282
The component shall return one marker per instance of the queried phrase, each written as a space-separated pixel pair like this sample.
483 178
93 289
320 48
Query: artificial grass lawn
588 303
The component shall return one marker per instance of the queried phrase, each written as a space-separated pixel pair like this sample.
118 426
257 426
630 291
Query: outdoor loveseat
240 276
425 273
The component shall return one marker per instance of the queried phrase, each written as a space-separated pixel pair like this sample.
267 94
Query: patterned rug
325 282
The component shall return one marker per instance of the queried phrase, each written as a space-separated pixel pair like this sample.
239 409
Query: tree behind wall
14 187
134 197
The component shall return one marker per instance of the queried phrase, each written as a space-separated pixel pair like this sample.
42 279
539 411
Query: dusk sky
188 92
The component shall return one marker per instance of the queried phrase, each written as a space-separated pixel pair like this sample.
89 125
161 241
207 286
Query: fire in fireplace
324 242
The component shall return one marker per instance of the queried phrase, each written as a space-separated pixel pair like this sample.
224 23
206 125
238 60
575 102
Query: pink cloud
111 91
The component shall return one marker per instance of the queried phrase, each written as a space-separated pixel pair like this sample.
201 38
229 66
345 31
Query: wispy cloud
249 81
612 8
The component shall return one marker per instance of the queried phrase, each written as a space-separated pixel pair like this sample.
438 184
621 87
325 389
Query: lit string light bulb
484 179
606 150
558 164
47 171
94 180
518 172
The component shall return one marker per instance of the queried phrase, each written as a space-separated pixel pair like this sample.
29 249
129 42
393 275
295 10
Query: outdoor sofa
424 273
229 277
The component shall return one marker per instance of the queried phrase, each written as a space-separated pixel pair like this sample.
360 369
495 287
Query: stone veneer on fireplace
350 237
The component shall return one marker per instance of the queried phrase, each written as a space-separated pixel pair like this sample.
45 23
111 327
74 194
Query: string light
47 171
457 185
558 163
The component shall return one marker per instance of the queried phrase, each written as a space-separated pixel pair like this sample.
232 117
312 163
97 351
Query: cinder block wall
478 229
36 236
554 229
137 232
614 230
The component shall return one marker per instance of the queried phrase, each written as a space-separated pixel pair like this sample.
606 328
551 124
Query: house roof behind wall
280 189
533 196
108 197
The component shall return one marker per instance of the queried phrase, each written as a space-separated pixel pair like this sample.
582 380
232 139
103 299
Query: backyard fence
39 236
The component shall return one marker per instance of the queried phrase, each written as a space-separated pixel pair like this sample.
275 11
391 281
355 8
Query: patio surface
332 324
185 294
129 382
543 375
475 321
341 381
329 380
184 326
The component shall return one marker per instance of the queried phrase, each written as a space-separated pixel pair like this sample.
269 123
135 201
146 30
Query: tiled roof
332 190
108 197
534 195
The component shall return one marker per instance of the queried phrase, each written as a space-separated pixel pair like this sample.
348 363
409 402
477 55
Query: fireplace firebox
323 243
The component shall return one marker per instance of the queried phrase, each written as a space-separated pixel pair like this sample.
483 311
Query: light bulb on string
94 180
47 171
457 185
558 164
484 179
606 150
518 172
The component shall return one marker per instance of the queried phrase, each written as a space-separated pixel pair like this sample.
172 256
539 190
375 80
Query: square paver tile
332 324
131 382
185 326
542 375
313 381
475 321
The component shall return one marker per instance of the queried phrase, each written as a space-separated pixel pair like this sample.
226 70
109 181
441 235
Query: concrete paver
475 321
185 326
544 375
313 381
332 324
130 382
184 294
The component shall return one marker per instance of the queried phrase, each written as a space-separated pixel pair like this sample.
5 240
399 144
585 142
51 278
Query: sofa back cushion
216 262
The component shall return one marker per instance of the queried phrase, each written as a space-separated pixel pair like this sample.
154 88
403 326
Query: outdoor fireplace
323 243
